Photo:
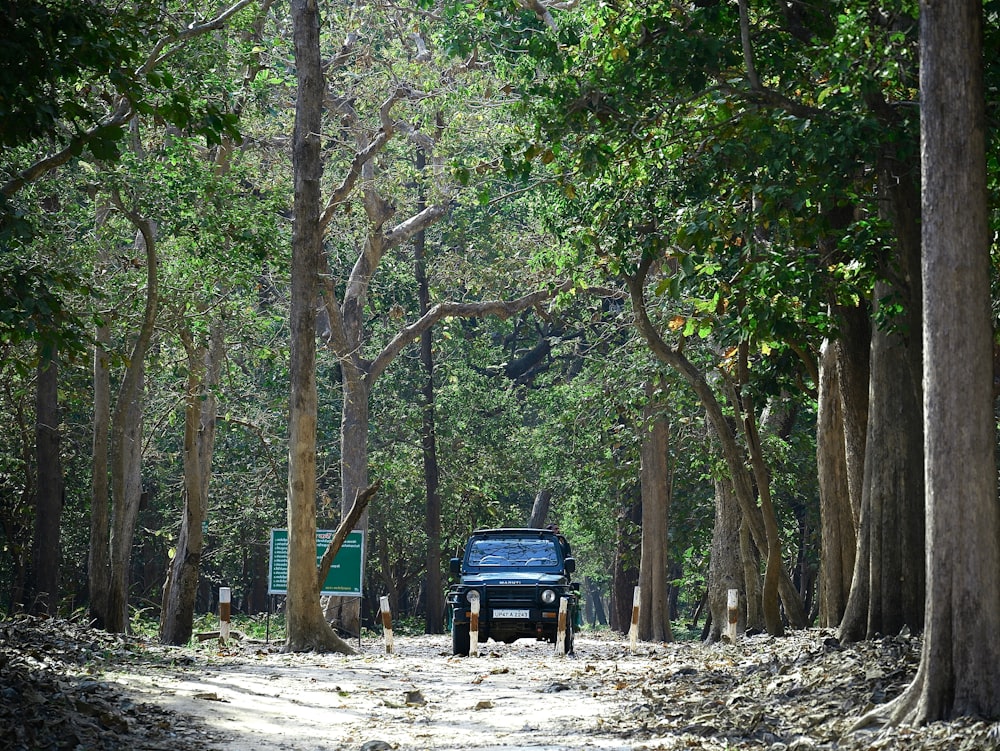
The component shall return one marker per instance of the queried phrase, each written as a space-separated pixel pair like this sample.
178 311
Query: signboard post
345 576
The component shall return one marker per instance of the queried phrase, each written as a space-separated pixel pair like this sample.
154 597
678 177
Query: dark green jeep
519 576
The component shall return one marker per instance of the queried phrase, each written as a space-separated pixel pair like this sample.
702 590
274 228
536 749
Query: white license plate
510 613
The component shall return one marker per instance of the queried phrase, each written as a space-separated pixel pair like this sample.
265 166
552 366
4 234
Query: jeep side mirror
570 564
456 565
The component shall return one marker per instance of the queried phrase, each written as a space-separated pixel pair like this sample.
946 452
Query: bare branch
501 309
343 191
408 228
346 526
190 32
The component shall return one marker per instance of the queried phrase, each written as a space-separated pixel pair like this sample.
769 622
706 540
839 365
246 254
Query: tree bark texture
307 630
838 540
180 589
434 607
853 356
48 507
540 509
98 565
958 673
725 568
654 480
887 590
126 442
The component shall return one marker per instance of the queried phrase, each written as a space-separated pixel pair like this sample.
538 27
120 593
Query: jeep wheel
460 639
570 631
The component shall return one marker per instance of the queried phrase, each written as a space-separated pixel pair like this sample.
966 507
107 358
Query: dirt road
803 692
512 696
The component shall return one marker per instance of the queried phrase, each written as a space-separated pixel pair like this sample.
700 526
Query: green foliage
54 52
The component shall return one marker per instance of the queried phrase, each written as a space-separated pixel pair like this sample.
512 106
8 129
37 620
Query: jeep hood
507 578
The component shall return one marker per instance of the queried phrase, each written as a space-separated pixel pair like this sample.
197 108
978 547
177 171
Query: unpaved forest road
803 692
512 696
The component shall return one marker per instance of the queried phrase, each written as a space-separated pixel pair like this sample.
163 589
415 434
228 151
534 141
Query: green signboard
344 578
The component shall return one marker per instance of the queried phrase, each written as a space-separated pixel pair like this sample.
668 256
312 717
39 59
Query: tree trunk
725 567
305 626
838 539
957 674
750 555
180 589
98 565
540 509
654 479
434 606
853 355
48 507
126 442
346 611
625 572
887 589
770 604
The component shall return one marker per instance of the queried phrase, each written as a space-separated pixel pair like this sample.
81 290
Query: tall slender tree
307 629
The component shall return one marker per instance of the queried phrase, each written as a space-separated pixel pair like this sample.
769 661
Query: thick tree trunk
887 590
838 540
957 674
725 568
180 589
305 626
853 355
48 508
654 479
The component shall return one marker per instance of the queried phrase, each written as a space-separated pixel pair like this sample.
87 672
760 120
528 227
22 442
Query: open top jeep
519 576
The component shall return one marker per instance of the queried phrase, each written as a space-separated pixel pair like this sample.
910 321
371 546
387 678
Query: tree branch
346 526
343 191
752 76
501 309
416 223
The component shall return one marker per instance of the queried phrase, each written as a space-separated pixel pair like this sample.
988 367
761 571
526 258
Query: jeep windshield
515 552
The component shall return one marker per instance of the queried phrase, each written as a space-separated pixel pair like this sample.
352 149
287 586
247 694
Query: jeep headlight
472 595
548 596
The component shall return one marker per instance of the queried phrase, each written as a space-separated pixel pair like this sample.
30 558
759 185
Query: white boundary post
383 602
733 606
633 631
561 628
474 627
225 599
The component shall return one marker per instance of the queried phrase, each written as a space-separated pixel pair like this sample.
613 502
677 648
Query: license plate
510 613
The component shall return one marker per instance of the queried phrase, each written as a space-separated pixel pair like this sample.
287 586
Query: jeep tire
460 639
